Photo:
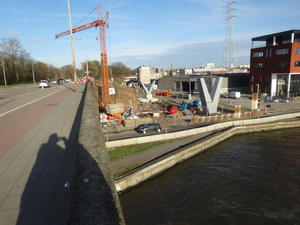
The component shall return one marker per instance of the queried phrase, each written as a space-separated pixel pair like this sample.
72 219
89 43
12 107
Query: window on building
297 38
283 51
295 85
257 65
297 50
270 53
297 64
267 53
267 83
281 64
282 84
258 54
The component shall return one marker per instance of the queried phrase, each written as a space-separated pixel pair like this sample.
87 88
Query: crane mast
102 23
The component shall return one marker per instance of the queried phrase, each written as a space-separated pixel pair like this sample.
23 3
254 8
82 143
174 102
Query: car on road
44 84
54 82
61 81
150 127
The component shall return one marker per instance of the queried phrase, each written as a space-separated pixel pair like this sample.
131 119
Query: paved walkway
36 159
149 155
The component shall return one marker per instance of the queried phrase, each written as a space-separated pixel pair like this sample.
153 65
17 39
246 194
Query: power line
61 13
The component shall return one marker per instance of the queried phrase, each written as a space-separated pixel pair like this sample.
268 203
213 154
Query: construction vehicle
164 93
102 23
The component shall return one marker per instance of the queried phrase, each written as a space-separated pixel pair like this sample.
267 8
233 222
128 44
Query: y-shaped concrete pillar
210 100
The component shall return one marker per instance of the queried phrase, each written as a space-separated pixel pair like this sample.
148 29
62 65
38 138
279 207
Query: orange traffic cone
43 88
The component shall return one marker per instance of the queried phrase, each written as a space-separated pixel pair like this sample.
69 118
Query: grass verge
121 152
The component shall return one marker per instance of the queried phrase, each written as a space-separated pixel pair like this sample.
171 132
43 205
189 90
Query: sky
158 33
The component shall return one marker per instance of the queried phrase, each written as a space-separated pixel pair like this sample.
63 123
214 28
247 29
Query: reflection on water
249 179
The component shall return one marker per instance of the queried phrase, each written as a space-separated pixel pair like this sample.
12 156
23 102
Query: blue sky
185 33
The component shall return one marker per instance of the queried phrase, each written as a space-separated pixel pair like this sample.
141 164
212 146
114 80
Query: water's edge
140 175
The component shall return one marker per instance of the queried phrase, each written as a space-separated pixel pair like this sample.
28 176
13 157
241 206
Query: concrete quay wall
194 149
185 133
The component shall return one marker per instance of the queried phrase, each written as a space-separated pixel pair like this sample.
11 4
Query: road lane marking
29 103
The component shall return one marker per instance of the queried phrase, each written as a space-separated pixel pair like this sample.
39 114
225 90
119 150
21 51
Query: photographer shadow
55 191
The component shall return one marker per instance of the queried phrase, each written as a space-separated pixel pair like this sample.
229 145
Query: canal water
248 179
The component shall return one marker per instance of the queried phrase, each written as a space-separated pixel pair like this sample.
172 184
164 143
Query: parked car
234 94
61 81
44 84
150 126
54 82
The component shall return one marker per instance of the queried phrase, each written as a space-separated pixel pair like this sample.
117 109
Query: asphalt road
14 98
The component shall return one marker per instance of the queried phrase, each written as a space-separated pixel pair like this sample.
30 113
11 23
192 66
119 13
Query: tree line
18 67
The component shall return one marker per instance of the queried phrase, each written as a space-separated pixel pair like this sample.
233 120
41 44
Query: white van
234 94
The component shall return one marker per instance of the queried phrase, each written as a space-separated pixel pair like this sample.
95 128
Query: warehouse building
188 83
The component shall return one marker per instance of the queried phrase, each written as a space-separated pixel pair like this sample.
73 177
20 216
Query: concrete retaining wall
168 136
190 151
99 202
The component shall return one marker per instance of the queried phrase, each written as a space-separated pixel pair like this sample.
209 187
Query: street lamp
86 53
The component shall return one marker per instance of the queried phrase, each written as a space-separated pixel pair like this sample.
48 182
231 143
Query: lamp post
72 46
33 78
86 55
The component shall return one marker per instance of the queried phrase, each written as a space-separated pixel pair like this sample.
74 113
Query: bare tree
17 57
119 70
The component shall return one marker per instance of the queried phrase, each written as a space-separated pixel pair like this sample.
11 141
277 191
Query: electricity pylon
229 52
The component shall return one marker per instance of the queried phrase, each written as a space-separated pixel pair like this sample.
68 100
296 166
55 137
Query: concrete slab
10 216
182 134
248 122
211 128
142 140
155 138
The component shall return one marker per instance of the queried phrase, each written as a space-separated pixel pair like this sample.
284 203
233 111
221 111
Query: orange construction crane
102 23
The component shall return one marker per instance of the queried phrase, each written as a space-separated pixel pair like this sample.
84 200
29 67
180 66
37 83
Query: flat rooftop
268 36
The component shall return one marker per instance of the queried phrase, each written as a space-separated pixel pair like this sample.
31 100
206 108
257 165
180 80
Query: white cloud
9 32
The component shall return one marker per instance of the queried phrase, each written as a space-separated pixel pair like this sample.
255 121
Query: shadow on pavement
47 199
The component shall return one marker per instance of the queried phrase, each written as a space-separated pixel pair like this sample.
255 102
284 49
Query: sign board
156 115
112 91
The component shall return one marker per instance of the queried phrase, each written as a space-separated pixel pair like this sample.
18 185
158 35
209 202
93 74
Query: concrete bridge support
210 100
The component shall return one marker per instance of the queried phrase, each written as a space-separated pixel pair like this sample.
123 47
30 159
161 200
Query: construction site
126 112
122 107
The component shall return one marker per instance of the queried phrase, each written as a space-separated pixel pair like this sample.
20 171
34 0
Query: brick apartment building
275 64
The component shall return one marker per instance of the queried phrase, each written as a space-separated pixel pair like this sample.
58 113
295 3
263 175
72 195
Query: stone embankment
225 132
